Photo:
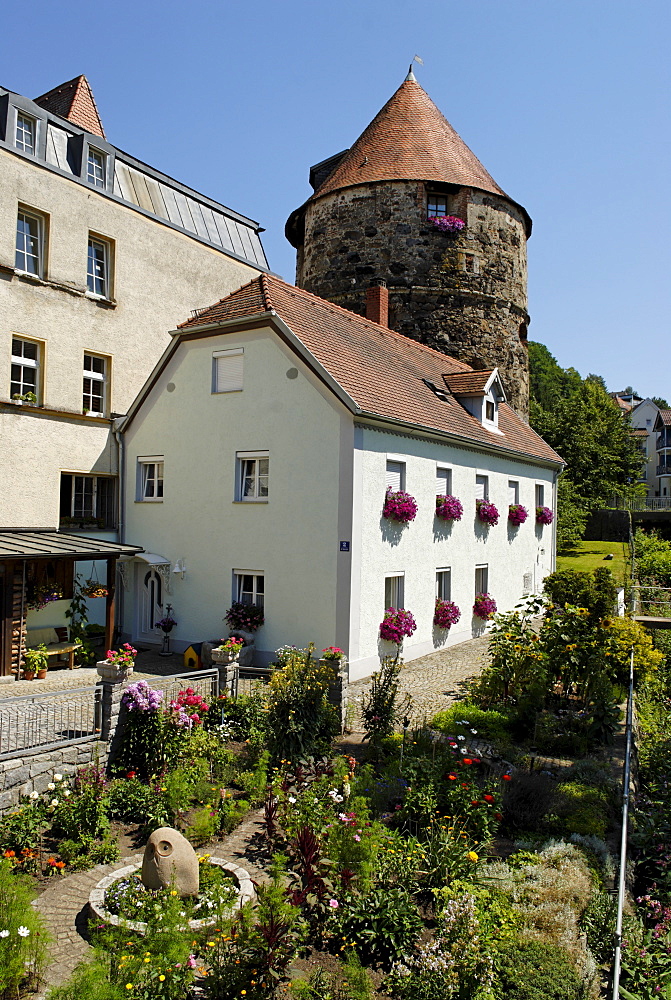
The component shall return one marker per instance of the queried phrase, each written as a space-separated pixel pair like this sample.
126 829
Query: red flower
488 798
475 802
131 774
498 816
476 760
452 777
467 760
506 777
465 784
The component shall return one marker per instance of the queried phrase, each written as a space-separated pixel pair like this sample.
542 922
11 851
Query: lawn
591 555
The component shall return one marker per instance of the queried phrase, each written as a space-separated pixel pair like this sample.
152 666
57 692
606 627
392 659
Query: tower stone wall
463 293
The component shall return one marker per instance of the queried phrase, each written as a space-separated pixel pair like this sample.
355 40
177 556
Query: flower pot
28 675
41 674
225 655
112 672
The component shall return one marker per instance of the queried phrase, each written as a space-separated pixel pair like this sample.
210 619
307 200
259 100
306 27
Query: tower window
470 263
436 207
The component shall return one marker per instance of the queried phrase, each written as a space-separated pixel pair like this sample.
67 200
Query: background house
290 416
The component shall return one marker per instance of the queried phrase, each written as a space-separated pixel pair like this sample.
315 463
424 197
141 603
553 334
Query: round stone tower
390 210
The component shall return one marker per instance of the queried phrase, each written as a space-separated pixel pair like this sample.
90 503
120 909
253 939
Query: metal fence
204 682
654 602
641 503
50 720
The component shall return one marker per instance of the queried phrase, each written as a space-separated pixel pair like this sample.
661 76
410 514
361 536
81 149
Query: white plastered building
256 462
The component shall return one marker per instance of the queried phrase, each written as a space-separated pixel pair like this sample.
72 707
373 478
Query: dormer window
26 128
95 171
490 411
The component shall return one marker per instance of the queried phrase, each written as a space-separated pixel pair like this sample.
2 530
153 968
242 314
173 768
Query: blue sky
566 104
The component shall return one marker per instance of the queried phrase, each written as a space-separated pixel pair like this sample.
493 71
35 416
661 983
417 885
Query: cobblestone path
432 681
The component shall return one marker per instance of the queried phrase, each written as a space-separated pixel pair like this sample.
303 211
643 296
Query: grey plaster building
381 212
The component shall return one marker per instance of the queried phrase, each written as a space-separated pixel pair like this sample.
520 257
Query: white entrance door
150 603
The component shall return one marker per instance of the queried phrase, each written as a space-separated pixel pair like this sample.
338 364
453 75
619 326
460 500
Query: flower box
446 614
487 512
484 606
396 624
448 224
113 673
399 507
544 515
226 655
517 514
448 508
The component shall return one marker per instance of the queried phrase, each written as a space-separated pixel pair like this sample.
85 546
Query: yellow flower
161 978
173 892
147 960
472 856
129 986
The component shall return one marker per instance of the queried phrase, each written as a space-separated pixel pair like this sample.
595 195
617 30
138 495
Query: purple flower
396 624
517 514
544 515
448 224
399 506
487 512
484 606
446 614
448 508
139 697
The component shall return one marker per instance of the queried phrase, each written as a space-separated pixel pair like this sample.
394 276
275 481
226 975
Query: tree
660 402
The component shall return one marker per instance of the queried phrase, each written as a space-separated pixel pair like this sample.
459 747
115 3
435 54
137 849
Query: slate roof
381 371
74 100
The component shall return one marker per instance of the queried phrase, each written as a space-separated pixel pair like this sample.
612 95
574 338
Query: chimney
377 302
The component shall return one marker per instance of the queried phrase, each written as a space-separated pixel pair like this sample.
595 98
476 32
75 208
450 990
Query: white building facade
256 463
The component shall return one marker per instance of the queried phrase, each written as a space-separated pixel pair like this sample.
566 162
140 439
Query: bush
22 937
583 809
300 721
532 970
527 798
383 924
380 711
464 718
595 590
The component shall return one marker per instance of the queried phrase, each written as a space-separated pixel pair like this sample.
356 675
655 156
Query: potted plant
119 664
445 614
399 506
244 617
448 508
484 606
544 515
517 514
487 512
229 650
448 223
35 661
166 625
396 624
26 397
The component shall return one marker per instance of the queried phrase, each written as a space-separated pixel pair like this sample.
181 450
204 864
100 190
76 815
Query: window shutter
481 487
228 371
443 482
394 476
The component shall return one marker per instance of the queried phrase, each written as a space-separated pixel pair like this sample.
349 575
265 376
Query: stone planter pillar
337 694
113 680
227 662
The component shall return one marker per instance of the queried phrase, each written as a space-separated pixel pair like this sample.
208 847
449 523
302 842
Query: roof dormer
480 394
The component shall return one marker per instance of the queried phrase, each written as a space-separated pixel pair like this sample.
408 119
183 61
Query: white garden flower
474 731
54 803
51 786
4 934
23 931
58 777
292 799
34 795
66 792
461 737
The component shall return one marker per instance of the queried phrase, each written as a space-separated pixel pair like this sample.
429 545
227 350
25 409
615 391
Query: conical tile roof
74 100
410 139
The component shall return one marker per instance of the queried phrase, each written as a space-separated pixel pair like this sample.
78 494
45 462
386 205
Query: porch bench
53 641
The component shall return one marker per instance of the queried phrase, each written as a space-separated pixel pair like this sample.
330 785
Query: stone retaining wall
33 772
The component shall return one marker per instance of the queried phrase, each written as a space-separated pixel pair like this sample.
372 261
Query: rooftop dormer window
95 171
26 128
490 410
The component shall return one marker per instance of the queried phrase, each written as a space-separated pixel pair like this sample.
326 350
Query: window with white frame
444 584
482 487
540 495
393 591
513 491
95 169
98 267
436 205
29 256
481 579
88 498
150 478
249 588
26 128
395 475
228 370
252 470
490 410
443 481
25 367
95 383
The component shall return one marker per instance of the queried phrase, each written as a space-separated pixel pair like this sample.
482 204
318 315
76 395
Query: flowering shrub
399 507
300 721
487 512
448 508
188 708
544 515
140 697
396 624
517 514
247 617
448 224
124 657
484 606
332 653
446 614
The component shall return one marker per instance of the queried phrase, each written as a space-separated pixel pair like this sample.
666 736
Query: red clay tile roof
469 383
380 370
410 139
665 417
639 432
74 100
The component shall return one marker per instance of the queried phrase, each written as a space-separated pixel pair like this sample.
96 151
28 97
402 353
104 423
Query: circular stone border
246 894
